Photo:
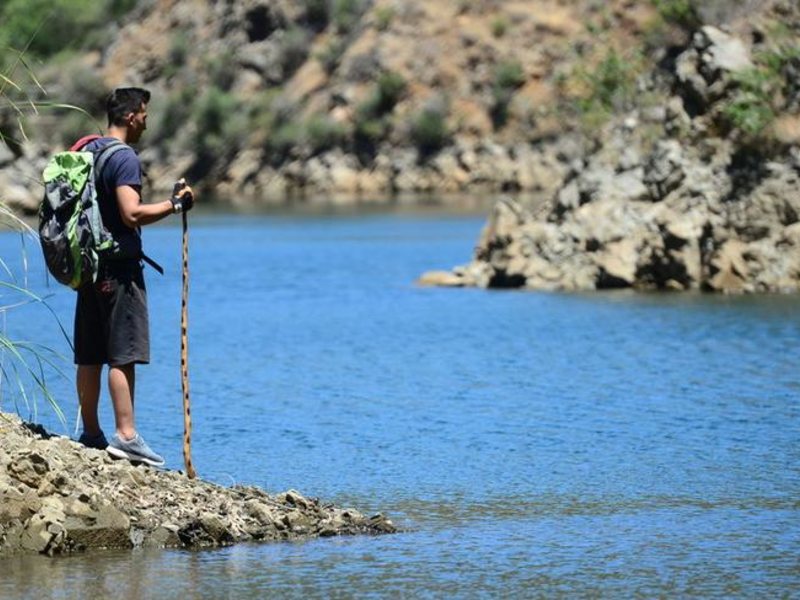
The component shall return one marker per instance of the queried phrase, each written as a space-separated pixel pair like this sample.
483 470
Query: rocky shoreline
57 496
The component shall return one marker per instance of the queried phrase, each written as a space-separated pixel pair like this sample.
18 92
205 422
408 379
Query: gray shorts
111 325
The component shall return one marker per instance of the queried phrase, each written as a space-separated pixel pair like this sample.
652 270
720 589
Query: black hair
123 101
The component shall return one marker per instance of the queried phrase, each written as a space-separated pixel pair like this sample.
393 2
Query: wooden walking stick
187 413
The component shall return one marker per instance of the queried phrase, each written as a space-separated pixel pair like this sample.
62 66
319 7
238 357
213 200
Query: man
111 323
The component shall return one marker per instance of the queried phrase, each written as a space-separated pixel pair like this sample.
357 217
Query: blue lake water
529 444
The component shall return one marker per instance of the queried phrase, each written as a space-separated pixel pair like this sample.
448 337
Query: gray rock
29 468
6 155
664 169
722 53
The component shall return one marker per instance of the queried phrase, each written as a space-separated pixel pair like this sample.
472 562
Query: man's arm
135 214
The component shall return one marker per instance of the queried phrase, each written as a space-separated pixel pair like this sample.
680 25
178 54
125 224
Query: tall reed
24 364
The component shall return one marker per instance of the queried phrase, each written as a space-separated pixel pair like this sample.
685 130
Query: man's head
127 107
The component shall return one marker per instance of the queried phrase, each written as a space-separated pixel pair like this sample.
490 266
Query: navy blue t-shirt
122 168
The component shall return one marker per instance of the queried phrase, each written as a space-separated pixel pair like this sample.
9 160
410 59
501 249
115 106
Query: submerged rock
57 496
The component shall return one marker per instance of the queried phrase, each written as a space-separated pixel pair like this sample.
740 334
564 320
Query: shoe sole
117 453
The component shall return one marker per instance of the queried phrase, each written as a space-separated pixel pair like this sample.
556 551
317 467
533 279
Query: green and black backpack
71 229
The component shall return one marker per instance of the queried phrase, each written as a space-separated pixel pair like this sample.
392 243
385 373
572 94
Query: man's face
137 123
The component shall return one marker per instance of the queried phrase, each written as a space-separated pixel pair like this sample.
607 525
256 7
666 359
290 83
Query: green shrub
383 17
323 134
294 50
388 90
219 124
119 8
176 109
609 86
331 54
509 75
429 132
213 110
371 130
776 59
678 12
346 14
391 87
499 26
72 126
262 114
750 109
218 67
83 86
508 78
612 80
749 113
287 136
47 27
179 49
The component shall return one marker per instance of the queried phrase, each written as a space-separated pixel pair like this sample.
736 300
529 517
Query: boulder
441 278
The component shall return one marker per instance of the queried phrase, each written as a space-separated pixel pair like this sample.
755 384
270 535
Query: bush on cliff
679 12
346 14
763 91
429 132
324 134
42 28
508 78
372 123
220 125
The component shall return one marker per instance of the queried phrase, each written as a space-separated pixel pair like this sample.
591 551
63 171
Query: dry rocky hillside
647 143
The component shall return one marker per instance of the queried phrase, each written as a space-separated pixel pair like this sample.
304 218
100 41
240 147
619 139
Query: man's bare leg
121 385
88 385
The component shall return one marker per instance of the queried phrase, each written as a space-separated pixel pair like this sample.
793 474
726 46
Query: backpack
71 229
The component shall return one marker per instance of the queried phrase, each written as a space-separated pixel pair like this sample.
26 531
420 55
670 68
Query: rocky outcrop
686 210
680 222
57 496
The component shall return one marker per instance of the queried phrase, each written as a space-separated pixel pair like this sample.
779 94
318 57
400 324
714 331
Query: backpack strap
102 155
101 158
83 141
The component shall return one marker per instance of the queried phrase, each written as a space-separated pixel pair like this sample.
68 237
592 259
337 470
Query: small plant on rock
324 134
763 91
499 26
331 54
220 125
508 79
283 140
429 132
678 12
383 17
346 13
750 110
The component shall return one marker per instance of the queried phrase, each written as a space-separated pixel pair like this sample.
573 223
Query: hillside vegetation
341 100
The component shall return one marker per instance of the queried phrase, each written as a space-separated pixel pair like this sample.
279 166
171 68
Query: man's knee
88 370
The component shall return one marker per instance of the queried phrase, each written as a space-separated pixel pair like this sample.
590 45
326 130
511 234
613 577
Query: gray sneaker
135 450
98 442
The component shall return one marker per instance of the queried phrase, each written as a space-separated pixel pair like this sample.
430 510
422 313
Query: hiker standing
111 322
